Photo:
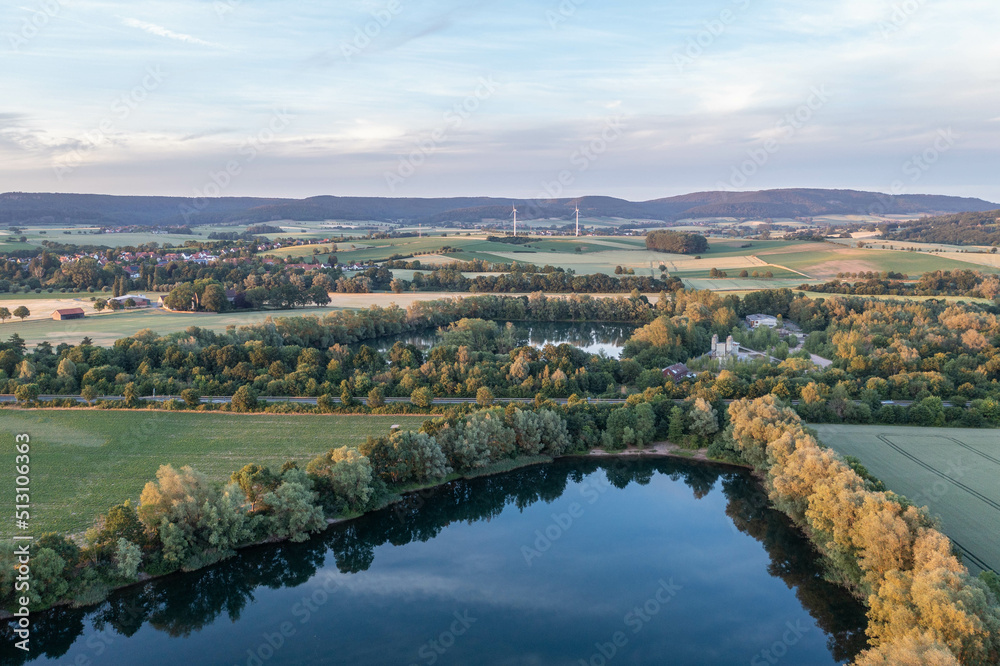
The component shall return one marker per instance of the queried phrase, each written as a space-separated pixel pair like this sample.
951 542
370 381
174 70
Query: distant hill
978 228
18 208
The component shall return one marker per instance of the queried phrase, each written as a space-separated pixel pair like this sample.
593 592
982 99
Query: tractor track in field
959 484
974 450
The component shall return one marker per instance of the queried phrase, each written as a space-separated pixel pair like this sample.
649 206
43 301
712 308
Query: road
7 398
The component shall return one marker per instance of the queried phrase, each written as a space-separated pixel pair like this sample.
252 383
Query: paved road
437 401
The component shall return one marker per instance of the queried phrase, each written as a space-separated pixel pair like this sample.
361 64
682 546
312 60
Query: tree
191 397
376 398
484 397
420 454
422 397
244 399
198 523
100 304
89 393
348 474
346 395
254 480
120 522
128 558
293 511
214 298
4 315
22 312
26 393
703 420
131 395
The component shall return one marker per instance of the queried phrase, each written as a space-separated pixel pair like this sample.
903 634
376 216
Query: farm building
677 372
140 300
68 313
755 320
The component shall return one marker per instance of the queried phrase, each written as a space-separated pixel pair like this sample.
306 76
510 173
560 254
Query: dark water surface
582 561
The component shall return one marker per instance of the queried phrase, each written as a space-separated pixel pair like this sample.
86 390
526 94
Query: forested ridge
971 228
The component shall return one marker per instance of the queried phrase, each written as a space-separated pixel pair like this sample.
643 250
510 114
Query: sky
633 99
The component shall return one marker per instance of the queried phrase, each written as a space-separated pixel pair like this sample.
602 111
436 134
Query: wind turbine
515 220
578 220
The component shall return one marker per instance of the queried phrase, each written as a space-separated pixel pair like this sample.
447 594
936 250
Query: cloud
160 31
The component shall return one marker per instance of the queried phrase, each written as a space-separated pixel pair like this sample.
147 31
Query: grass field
955 473
85 461
104 329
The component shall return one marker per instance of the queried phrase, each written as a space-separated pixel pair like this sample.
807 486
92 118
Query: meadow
85 461
105 328
955 473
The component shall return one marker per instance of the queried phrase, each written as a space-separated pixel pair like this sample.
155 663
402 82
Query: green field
105 329
83 462
955 473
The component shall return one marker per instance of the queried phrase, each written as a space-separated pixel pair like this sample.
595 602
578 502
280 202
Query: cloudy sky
639 99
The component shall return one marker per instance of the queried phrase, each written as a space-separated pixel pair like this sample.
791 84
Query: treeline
972 284
924 606
46 271
677 242
452 279
929 353
311 356
960 229
185 521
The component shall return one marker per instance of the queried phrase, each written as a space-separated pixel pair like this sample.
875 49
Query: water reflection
185 605
592 337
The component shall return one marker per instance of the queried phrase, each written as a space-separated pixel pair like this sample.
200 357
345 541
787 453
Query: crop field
955 473
85 461
824 261
104 329
742 284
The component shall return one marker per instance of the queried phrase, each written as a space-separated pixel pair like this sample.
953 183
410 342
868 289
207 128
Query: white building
755 320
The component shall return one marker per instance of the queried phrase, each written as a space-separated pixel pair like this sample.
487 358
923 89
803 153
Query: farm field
85 461
954 472
743 285
104 329
824 261
43 305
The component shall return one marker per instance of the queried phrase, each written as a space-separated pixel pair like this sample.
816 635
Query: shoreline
655 450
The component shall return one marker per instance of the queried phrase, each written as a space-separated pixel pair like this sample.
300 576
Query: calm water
652 562
593 337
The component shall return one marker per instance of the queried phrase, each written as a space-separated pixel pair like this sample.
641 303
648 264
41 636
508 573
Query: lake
592 337
585 561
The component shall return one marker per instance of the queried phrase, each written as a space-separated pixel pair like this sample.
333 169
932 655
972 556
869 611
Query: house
677 372
755 320
68 313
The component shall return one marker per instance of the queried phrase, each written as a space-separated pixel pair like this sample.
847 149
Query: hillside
980 228
17 208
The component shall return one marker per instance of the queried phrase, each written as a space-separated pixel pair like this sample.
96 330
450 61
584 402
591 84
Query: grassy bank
84 461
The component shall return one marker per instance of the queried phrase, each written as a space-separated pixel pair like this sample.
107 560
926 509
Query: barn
68 313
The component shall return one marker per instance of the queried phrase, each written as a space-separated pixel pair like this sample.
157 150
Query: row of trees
924 607
185 521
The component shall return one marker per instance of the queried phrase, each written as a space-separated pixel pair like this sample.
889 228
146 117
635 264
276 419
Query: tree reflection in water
185 603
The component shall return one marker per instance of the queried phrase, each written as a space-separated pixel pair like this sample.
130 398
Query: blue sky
437 98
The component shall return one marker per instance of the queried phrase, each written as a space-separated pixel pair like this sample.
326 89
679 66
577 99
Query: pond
585 561
592 337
